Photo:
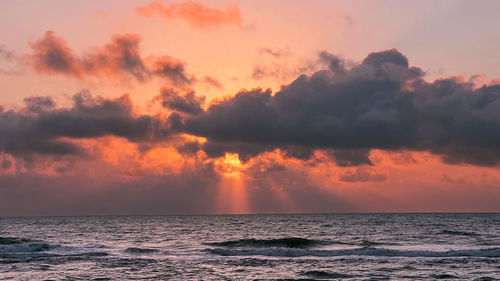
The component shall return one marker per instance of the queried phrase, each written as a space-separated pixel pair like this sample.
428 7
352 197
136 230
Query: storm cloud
41 128
380 103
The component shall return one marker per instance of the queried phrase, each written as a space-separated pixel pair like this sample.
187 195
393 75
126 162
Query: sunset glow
246 107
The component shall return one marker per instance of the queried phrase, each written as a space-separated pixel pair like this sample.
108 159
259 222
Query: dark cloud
187 103
190 147
39 104
299 152
119 59
39 127
335 63
351 157
52 55
250 110
346 110
381 103
171 69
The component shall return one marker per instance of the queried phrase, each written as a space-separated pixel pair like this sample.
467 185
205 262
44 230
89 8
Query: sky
211 107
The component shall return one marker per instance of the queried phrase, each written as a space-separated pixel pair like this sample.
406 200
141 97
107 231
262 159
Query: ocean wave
288 242
22 245
364 251
325 274
444 276
13 240
6 258
135 250
14 250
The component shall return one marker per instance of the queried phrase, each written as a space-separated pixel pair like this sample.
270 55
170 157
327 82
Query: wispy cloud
196 14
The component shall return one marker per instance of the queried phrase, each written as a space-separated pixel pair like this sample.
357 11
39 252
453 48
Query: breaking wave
13 250
288 242
22 245
364 251
320 274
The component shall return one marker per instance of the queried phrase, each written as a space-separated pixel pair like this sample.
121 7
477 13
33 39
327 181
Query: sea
252 247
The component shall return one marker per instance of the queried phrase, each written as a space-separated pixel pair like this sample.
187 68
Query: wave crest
135 250
364 251
288 242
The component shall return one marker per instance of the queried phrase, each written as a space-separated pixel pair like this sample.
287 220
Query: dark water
253 247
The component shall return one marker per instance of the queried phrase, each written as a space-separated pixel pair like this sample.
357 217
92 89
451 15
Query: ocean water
252 247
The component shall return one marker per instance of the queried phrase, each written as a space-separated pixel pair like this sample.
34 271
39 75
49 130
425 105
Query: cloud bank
380 103
322 143
41 128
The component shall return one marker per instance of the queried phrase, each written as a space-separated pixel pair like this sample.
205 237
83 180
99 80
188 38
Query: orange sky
141 113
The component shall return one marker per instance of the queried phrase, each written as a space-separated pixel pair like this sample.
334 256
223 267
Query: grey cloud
351 157
380 103
39 127
187 103
190 147
120 58
335 63
171 69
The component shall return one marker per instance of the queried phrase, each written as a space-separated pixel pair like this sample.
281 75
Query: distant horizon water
246 214
357 246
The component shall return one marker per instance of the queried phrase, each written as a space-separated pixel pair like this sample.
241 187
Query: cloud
278 71
171 69
52 55
119 59
334 63
351 157
275 52
275 65
40 128
9 62
346 110
362 174
186 103
212 82
196 14
380 103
